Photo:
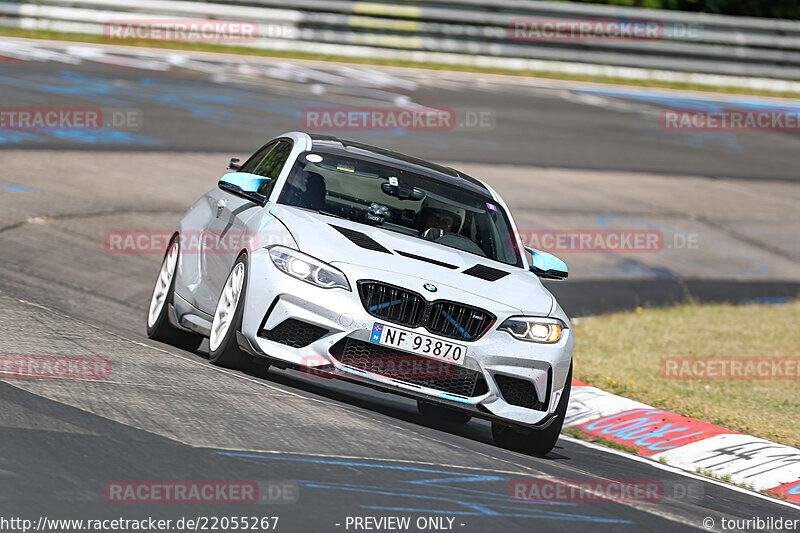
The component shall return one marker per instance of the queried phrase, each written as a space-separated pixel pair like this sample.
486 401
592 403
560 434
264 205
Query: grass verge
622 353
242 50
578 434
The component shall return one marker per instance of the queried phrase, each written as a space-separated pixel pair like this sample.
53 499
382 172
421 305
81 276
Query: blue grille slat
388 304
448 319
453 322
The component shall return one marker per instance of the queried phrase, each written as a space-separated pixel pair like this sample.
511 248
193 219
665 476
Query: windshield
402 201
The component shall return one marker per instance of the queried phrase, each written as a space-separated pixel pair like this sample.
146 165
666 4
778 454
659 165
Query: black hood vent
427 260
486 272
361 240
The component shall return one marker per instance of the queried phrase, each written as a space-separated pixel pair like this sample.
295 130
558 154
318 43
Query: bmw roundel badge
430 287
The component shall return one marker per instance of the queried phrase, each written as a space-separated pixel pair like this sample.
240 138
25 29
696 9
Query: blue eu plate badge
377 330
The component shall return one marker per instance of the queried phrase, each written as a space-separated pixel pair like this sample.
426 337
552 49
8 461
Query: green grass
621 353
577 433
728 479
241 50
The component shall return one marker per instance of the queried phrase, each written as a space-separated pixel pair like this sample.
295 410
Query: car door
228 232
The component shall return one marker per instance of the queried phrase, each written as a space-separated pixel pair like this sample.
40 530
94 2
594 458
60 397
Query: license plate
418 344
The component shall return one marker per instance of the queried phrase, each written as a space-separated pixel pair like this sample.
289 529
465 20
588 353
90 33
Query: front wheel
158 326
222 344
535 441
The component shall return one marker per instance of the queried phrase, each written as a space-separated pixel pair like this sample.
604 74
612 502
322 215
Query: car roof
449 175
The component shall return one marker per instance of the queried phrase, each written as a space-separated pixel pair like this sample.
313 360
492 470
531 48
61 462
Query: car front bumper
273 297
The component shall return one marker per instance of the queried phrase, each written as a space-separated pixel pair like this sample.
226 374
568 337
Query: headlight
306 268
532 329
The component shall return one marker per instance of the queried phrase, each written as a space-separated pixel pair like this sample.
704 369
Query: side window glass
266 188
272 164
255 159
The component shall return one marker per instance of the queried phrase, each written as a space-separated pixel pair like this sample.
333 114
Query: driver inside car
437 218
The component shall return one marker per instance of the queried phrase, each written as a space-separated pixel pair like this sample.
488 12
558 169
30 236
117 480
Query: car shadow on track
384 403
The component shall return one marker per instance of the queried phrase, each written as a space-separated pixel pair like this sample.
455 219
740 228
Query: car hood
317 235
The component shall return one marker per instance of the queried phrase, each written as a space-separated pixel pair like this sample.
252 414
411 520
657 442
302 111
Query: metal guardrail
467 32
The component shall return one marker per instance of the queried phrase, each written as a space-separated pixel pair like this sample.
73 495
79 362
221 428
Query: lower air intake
519 392
409 368
294 333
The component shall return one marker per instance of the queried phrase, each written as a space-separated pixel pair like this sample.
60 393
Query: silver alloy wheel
163 284
226 308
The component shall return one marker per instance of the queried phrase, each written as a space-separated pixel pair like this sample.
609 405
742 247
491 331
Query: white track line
676 470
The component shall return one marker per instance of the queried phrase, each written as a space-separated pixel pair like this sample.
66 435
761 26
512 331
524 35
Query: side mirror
245 185
547 266
233 164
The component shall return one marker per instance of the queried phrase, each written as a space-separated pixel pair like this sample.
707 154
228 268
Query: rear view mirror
234 164
547 266
403 193
245 185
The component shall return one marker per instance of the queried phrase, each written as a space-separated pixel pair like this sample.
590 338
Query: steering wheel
453 240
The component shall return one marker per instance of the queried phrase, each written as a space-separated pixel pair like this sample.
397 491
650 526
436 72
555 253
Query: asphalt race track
564 155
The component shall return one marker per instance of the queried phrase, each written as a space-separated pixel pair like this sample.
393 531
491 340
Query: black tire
534 441
228 354
439 413
162 330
